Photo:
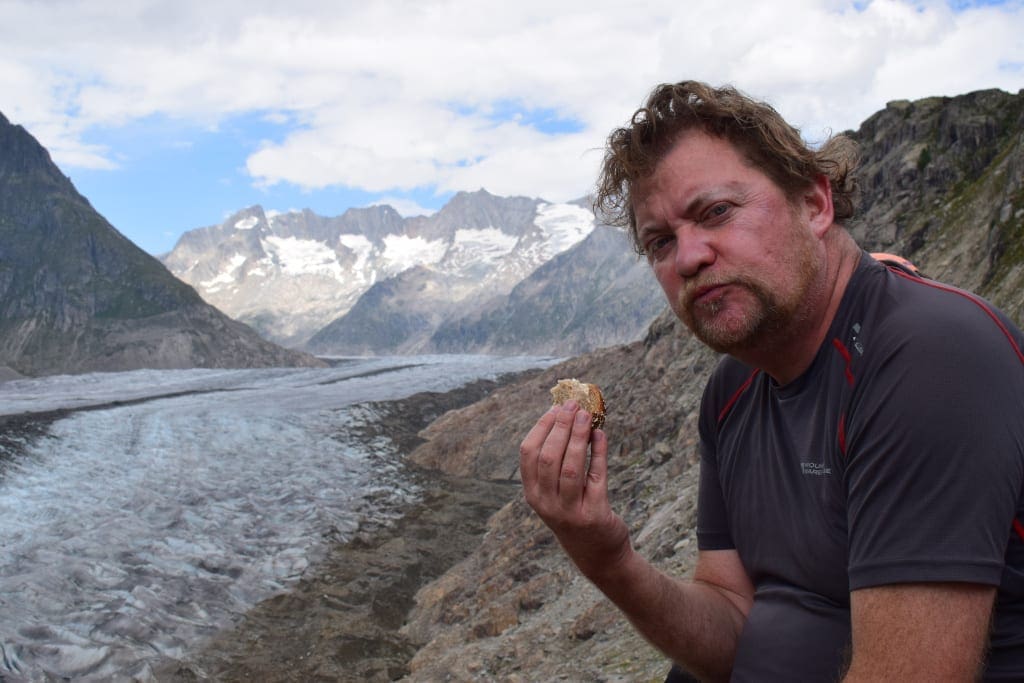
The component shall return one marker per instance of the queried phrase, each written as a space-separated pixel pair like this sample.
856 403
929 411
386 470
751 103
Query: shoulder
926 322
933 366
730 380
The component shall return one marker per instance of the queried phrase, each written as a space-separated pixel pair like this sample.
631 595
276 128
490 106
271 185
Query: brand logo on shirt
817 469
855 340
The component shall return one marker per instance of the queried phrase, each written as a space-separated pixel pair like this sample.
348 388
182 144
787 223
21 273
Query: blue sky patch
210 178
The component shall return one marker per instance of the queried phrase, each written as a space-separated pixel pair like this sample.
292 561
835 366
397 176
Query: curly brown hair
758 132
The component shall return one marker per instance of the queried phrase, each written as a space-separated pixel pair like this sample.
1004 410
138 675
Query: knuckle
548 461
525 450
570 473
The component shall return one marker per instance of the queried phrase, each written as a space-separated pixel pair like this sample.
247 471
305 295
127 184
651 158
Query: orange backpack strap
897 262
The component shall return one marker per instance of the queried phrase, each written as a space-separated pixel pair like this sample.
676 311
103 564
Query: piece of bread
587 395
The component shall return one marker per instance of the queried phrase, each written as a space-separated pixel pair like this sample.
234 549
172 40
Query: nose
693 250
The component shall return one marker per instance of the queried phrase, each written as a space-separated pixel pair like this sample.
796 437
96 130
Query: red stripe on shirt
975 300
735 397
845 353
1018 526
842 434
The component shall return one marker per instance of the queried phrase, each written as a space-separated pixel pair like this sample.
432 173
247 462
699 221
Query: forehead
696 164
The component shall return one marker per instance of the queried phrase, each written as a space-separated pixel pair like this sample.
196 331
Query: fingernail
582 417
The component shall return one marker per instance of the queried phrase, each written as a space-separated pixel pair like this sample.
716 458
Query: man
862 440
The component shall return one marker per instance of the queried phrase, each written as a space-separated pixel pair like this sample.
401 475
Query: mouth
708 295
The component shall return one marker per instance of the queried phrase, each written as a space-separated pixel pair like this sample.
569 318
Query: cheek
666 277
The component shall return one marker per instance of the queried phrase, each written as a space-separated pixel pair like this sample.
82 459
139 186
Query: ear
817 206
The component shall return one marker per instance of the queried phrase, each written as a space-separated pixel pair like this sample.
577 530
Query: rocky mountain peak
916 153
942 182
481 209
305 272
76 295
25 162
374 222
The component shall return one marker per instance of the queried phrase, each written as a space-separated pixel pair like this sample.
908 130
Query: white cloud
392 95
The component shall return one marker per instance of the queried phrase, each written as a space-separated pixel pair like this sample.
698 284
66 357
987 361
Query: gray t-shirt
897 457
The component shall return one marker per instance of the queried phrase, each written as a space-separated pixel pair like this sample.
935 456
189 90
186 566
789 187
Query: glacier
165 503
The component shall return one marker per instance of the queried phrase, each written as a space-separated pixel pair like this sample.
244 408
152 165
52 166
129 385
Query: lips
706 295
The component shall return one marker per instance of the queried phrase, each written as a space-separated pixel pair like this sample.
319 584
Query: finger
529 449
549 464
597 473
572 478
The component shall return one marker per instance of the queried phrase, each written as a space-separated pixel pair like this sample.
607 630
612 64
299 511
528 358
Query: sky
173 115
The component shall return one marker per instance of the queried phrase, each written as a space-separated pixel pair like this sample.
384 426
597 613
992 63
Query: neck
787 356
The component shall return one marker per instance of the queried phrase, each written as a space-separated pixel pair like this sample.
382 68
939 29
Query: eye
718 211
656 248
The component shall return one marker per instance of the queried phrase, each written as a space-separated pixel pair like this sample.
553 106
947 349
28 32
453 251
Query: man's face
735 258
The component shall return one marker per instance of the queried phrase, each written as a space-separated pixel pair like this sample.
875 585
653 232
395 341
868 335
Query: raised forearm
694 622
698 622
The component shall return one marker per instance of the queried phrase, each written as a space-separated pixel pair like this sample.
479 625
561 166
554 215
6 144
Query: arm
697 623
920 632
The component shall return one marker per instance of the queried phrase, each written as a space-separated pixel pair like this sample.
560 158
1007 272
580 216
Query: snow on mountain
296 257
402 252
477 250
290 274
564 225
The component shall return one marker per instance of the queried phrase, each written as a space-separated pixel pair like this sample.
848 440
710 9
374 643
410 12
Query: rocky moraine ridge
943 184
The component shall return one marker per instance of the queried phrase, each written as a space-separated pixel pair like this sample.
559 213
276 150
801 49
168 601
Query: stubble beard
734 332
768 319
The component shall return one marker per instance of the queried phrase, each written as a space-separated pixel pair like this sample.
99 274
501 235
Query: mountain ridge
77 296
297 280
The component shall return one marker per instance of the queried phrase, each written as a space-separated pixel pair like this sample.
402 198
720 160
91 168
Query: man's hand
570 496
694 622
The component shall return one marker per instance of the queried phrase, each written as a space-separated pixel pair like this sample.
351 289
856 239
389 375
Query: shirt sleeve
712 518
934 453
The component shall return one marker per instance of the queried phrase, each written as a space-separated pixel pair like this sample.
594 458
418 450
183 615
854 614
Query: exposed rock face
397 315
358 283
597 294
515 610
289 274
943 184
76 295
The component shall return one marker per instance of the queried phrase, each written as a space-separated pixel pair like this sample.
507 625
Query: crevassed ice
487 243
300 257
479 248
357 243
402 252
137 530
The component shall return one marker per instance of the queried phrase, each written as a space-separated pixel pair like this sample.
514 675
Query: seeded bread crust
587 395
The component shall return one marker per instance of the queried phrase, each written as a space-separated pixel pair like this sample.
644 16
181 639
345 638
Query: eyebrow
701 198
688 209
